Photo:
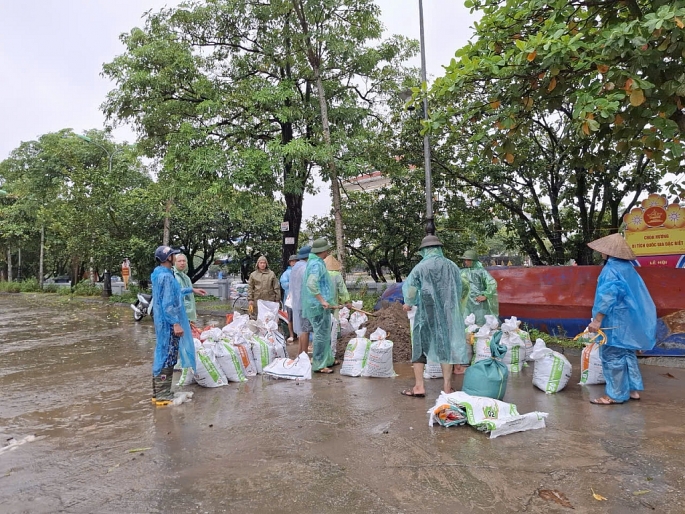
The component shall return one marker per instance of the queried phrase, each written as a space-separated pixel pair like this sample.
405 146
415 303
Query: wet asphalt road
77 375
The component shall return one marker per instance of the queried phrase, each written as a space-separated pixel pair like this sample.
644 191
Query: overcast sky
52 52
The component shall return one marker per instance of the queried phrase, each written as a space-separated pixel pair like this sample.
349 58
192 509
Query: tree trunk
166 236
293 202
9 264
41 261
315 62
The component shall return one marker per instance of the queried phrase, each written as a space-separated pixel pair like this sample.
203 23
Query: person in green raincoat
482 298
434 287
317 299
187 289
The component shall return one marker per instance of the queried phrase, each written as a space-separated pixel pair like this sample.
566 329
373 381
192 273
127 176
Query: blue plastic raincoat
285 281
318 281
630 317
296 279
169 310
481 283
434 286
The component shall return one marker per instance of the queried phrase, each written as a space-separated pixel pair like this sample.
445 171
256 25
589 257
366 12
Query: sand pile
394 321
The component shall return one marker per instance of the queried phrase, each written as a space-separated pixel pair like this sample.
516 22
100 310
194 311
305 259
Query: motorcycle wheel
137 316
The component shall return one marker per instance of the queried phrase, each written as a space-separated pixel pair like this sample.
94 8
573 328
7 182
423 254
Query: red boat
558 299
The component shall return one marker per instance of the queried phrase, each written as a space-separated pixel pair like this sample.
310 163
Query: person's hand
481 298
178 329
250 306
594 325
325 305
406 308
201 292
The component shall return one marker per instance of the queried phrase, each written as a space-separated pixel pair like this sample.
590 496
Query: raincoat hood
256 266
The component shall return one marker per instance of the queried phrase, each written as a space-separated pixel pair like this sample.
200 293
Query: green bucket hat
470 255
292 258
320 245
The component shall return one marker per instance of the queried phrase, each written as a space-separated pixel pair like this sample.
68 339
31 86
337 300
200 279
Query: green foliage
30 285
10 287
85 288
560 114
551 340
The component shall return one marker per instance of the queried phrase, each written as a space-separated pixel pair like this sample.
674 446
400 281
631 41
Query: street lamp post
430 222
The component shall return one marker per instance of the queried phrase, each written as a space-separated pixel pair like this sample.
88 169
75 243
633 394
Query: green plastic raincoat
318 281
434 286
187 291
481 283
340 293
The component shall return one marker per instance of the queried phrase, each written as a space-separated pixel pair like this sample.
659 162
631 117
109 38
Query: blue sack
488 377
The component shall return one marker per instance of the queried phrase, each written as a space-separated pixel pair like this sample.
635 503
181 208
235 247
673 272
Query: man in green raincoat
482 297
317 300
434 287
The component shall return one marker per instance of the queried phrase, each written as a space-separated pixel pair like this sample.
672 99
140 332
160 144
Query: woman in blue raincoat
172 328
624 306
434 287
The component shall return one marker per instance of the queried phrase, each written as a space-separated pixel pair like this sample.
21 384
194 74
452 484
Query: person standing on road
285 287
482 297
172 329
262 285
434 287
623 305
301 325
317 298
187 289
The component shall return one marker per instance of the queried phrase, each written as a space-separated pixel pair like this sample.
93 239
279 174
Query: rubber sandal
412 394
604 401
325 371
635 399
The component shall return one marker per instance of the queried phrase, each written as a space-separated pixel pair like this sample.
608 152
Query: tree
226 84
561 114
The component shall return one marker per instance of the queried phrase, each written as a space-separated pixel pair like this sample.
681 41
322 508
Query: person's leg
322 356
303 338
419 388
615 371
290 324
634 375
446 378
161 384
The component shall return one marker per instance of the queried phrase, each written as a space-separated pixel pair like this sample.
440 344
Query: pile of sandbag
517 341
485 414
368 357
242 349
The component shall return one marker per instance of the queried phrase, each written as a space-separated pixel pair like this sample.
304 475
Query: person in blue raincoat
624 306
434 287
172 328
317 300
285 288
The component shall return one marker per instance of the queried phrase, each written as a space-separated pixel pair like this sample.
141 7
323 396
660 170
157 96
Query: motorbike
142 307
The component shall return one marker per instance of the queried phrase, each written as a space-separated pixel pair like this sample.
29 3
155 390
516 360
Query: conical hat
614 246
332 263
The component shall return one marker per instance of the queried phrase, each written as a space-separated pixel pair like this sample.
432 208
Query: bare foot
634 395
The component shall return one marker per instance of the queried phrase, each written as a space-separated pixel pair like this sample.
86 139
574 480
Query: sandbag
488 377
379 361
356 354
485 414
277 345
516 348
208 373
229 361
552 370
344 319
357 319
260 353
244 349
299 368
212 334
187 377
432 370
267 314
591 366
481 344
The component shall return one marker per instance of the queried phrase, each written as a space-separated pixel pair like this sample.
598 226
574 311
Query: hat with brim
470 255
303 253
332 264
614 246
430 240
292 258
320 245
